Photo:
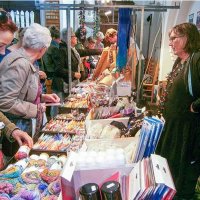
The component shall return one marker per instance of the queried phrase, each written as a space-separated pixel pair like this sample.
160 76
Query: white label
23 163
69 166
93 188
2 125
110 185
24 149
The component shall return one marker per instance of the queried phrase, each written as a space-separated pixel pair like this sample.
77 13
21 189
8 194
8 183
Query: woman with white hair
20 88
99 39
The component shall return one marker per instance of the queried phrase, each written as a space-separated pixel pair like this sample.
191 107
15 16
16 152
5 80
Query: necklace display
170 80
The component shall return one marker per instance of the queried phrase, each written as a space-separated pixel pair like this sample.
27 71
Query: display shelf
63 110
49 152
57 132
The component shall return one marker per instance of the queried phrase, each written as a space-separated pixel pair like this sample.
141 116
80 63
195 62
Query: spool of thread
56 166
27 194
49 175
22 163
31 177
4 196
6 188
11 172
111 191
54 187
63 159
90 191
23 152
44 156
50 197
34 157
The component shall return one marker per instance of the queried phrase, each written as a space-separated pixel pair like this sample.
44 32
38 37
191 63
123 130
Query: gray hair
100 35
36 37
64 33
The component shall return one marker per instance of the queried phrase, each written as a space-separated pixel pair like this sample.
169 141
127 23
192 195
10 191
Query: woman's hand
50 98
22 138
42 75
43 107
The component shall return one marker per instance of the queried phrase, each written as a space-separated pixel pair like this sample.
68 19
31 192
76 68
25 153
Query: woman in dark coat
180 104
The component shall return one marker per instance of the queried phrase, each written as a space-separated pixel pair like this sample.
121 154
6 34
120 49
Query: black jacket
61 68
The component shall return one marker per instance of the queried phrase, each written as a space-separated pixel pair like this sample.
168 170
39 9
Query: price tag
69 166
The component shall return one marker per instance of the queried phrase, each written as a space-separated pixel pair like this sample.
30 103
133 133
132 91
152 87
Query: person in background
51 65
180 140
89 62
99 39
20 89
7 30
76 55
18 44
108 56
81 33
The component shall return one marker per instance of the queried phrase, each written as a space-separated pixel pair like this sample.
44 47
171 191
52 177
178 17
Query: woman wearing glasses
20 90
180 105
7 30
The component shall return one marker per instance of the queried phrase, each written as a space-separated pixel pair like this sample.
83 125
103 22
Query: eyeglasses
4 16
171 39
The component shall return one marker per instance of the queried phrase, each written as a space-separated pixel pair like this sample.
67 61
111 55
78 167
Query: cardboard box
90 123
70 188
72 177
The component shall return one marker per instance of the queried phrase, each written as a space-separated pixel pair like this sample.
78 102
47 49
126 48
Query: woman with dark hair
180 105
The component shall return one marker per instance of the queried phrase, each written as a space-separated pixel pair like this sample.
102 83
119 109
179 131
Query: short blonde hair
111 32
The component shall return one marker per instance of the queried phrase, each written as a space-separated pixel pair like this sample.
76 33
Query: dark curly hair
7 24
55 33
191 32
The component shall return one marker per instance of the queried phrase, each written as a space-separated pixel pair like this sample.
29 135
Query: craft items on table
76 103
26 180
77 141
99 96
50 197
67 116
14 170
57 142
101 158
54 187
106 129
83 88
74 115
4 196
49 176
31 177
63 126
6 188
27 194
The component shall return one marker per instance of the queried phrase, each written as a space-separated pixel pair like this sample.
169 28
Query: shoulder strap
190 78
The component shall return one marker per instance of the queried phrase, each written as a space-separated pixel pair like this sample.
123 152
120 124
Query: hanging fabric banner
123 38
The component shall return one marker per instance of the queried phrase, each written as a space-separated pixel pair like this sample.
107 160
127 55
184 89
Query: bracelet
11 138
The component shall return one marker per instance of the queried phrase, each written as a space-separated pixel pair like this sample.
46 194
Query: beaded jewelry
170 80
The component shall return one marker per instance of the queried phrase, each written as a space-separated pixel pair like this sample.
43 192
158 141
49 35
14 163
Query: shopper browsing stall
20 90
180 142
